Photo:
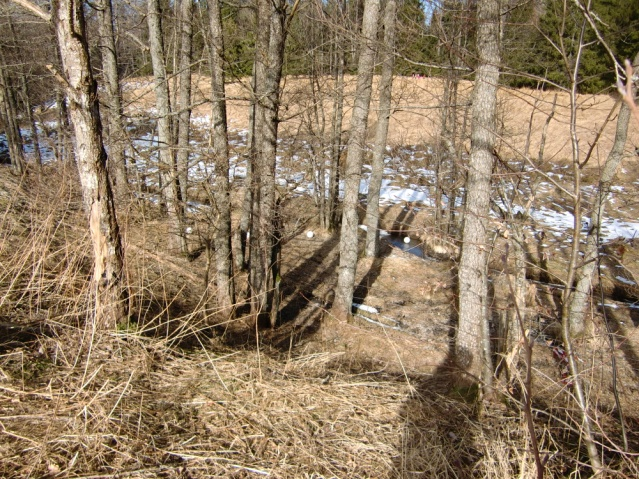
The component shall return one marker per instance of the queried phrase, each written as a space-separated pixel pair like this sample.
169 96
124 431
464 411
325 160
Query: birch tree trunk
111 299
170 191
385 91
223 255
113 100
184 96
348 247
472 341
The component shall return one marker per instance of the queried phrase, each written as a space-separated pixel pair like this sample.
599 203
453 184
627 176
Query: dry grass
168 395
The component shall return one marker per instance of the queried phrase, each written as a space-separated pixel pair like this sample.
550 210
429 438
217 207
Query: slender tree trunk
472 341
91 159
385 91
581 294
348 247
113 100
336 146
26 99
184 96
242 236
270 56
10 114
223 255
168 172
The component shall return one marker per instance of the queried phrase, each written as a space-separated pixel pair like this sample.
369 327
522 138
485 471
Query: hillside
179 392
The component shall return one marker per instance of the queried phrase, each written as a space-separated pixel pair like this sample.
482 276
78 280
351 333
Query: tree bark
385 91
338 120
91 159
10 114
223 255
270 56
472 340
170 191
184 96
348 247
585 276
113 100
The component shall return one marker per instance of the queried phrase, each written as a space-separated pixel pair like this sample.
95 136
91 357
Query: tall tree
224 263
113 99
348 247
183 106
271 37
67 17
384 114
170 190
472 343
9 114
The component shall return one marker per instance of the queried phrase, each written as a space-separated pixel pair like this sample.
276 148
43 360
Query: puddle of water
414 247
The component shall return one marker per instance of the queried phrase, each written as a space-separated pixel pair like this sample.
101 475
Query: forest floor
181 393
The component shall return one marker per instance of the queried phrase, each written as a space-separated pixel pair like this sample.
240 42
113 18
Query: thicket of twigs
167 396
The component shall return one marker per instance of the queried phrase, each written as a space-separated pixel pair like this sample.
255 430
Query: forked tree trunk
170 192
270 56
91 159
579 299
184 96
385 91
472 341
113 100
348 246
223 256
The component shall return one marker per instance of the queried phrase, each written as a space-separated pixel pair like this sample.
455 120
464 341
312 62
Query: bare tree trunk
385 91
168 172
184 96
336 146
472 342
241 237
113 100
348 247
91 159
223 255
585 276
26 99
572 62
10 114
270 56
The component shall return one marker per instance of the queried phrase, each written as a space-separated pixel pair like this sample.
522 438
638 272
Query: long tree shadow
302 312
618 329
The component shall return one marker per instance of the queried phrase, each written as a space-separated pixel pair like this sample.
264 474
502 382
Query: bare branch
626 90
33 8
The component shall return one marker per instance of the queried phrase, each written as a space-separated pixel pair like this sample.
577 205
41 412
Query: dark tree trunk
184 96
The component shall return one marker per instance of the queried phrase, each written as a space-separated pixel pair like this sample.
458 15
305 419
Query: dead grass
175 393
416 115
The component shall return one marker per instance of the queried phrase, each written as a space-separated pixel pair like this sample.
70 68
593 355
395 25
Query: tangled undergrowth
168 395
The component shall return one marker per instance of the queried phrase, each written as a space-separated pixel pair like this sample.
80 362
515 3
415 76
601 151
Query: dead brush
165 396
